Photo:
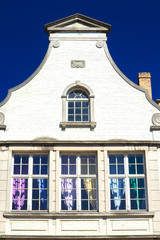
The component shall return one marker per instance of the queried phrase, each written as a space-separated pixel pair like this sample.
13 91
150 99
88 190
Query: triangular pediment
77 23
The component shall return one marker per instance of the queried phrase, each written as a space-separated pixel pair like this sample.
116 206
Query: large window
30 182
78 106
78 182
127 182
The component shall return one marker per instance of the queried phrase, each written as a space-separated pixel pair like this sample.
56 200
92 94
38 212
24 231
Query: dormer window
78 106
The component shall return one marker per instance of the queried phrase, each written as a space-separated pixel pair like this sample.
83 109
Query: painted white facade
123 115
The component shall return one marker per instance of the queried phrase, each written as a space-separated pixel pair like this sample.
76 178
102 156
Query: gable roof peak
77 23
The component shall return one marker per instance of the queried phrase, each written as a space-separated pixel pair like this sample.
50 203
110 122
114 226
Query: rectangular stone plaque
78 64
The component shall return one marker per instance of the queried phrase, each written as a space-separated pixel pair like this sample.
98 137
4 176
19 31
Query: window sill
90 125
155 127
139 214
2 127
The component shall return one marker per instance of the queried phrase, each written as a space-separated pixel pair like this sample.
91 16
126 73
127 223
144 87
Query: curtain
90 187
117 186
68 191
19 193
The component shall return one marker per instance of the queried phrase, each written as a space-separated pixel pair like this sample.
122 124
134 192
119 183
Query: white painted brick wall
35 110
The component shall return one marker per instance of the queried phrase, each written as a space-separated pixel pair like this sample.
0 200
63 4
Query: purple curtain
68 191
19 192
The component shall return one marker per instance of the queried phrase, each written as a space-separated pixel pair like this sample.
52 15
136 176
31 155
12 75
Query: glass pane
139 158
140 169
134 204
36 169
141 193
44 159
84 95
36 159
85 111
78 118
44 169
112 169
72 169
71 94
120 169
35 205
92 169
85 118
112 159
92 159
71 111
16 169
70 117
132 169
83 159
133 193
78 111
64 169
24 169
85 104
71 104
140 183
84 205
17 159
120 158
83 169
131 158
43 205
78 104
64 159
72 159
35 194
142 204
25 159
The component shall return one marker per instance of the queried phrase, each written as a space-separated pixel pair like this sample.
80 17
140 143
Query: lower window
30 182
78 182
127 182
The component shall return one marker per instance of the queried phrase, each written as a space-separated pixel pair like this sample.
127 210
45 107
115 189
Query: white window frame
127 177
77 86
30 176
78 176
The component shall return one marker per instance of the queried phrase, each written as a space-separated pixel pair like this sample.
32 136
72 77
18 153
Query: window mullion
30 182
78 184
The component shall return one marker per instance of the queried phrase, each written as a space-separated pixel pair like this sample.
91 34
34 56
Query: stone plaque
78 64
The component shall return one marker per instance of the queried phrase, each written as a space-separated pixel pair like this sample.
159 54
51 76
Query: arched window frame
65 123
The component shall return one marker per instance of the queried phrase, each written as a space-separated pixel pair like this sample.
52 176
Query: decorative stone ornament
156 119
78 64
56 44
99 44
2 118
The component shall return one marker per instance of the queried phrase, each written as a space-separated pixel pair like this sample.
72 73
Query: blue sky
134 40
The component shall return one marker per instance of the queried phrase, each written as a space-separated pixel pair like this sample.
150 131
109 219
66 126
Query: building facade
79 144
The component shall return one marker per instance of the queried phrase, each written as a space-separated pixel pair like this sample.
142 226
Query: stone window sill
2 127
155 127
90 125
128 214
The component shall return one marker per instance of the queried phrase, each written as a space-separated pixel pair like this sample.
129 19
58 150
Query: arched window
78 106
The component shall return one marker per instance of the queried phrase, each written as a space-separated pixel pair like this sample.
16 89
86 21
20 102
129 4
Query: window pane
85 118
68 193
17 159
71 104
139 158
92 169
112 159
72 159
112 169
36 169
44 159
70 117
83 169
78 117
36 159
85 104
132 169
44 169
117 193
64 159
120 158
140 169
78 110
78 104
64 169
16 169
24 169
131 158
120 169
72 169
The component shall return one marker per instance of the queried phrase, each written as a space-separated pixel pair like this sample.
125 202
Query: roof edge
80 17
128 80
29 78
